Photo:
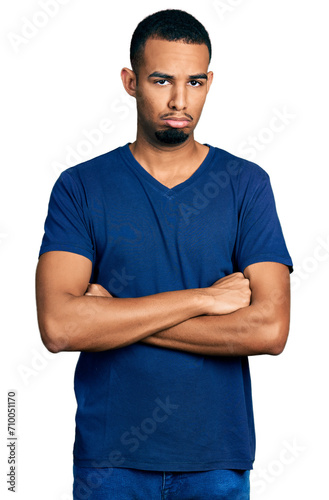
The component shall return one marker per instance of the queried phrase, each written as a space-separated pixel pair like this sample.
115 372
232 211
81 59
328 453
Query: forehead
174 57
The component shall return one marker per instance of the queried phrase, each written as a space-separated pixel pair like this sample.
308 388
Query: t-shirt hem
267 258
66 248
170 466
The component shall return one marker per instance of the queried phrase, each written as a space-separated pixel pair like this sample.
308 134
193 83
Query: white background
59 81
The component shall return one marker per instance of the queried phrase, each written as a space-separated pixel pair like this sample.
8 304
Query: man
164 263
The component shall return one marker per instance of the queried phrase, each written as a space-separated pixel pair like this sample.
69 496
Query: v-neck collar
137 167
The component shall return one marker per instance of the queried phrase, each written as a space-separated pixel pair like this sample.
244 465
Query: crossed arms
239 315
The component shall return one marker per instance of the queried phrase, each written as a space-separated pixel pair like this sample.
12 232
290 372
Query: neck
172 164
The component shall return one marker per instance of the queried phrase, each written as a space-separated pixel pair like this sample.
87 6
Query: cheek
198 103
148 106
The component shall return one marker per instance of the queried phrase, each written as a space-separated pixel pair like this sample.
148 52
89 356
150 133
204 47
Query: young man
164 263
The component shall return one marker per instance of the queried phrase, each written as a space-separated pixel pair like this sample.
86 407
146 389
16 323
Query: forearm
244 332
75 316
260 328
101 323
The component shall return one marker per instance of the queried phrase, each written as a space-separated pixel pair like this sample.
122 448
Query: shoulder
237 168
95 168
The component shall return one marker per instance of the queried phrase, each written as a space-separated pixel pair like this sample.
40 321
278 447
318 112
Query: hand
228 294
95 290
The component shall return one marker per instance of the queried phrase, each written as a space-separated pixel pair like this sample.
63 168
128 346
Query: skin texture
241 314
69 319
261 328
158 99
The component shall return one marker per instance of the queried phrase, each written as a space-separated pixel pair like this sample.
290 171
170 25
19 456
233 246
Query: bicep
59 274
270 291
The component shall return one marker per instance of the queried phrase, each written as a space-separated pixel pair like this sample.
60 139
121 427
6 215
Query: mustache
170 115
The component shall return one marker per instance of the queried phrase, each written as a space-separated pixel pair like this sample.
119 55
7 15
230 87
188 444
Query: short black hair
170 24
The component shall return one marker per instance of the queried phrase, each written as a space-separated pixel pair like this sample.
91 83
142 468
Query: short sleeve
67 226
259 236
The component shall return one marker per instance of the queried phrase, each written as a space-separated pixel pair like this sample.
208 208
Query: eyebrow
157 74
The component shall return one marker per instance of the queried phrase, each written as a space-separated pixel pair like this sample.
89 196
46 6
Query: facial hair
171 136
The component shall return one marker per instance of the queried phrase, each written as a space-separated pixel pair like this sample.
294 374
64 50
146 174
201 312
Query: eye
195 83
162 83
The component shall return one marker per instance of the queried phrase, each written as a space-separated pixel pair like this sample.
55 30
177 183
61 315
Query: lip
177 122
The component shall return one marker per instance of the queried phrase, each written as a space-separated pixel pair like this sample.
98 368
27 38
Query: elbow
51 346
54 341
277 338
276 348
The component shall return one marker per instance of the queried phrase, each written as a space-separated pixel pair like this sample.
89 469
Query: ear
210 75
129 81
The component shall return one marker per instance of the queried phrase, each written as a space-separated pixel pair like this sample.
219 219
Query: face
172 86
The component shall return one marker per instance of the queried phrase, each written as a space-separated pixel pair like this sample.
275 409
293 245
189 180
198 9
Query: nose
178 97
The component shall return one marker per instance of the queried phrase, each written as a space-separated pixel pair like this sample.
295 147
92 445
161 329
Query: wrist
203 301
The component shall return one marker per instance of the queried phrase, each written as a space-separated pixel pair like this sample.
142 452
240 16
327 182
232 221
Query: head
170 54
171 25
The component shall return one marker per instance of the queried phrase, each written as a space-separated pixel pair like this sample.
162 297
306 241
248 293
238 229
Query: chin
171 136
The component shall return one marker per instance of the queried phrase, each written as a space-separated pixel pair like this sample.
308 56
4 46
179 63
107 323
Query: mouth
177 122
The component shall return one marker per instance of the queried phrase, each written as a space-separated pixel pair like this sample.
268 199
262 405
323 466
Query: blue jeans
132 484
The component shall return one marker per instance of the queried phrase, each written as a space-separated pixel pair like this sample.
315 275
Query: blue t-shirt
142 406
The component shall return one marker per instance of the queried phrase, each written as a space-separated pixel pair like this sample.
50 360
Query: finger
97 290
